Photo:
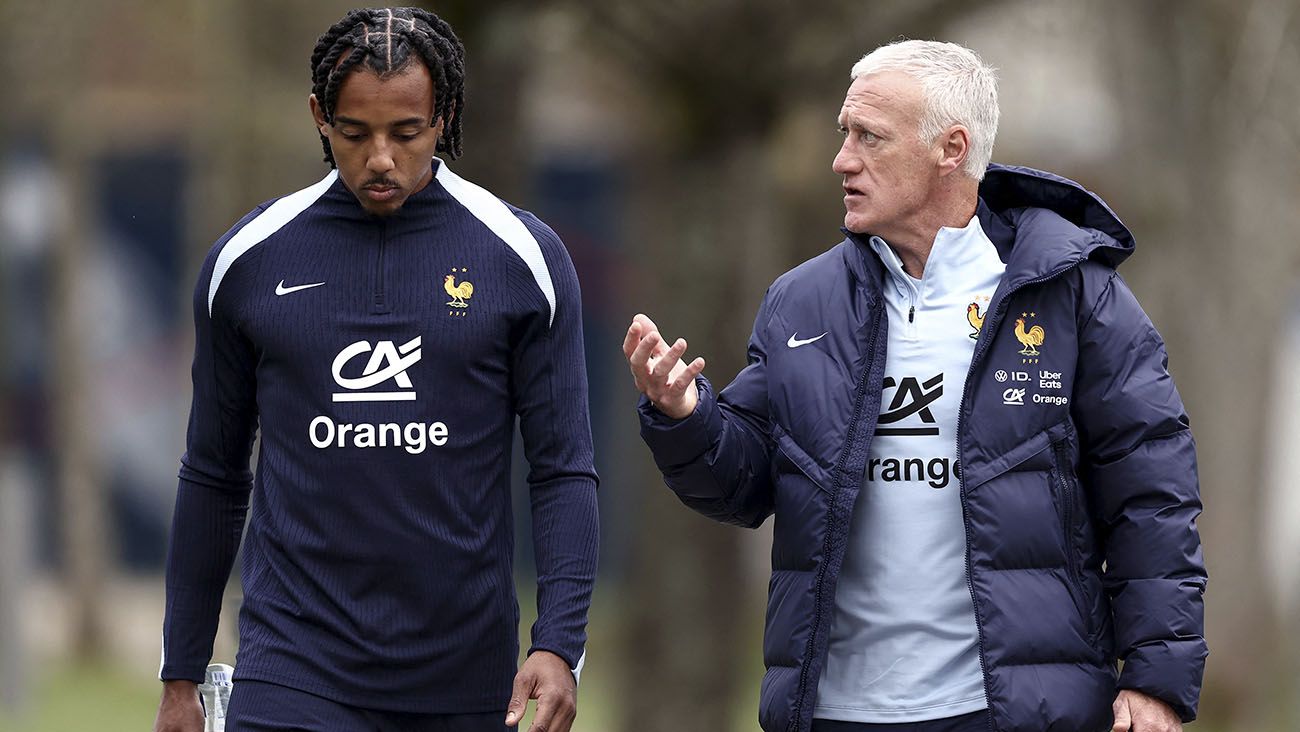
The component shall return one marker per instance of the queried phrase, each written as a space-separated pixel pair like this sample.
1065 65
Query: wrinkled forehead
892 94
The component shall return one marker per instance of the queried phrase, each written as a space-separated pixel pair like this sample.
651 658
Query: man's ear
954 148
317 114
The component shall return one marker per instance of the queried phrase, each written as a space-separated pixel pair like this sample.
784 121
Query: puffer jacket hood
1008 188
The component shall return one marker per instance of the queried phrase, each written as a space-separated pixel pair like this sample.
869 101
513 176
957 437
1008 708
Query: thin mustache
380 182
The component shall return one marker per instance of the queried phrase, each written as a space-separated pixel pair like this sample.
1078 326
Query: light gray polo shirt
903 640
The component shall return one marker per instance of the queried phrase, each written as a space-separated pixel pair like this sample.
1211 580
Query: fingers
647 324
556 711
1123 719
524 685
669 372
642 354
669 378
687 376
666 363
658 370
632 338
545 713
641 329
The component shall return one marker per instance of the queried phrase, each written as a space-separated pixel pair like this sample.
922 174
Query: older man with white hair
982 477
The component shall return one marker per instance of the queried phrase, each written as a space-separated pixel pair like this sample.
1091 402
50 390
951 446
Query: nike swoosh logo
280 289
796 342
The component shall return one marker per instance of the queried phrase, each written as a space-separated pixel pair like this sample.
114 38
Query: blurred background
682 150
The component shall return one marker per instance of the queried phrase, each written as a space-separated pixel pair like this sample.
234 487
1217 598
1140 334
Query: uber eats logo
385 367
908 413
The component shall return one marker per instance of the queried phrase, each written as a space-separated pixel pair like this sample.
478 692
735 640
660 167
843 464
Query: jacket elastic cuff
680 441
1168 670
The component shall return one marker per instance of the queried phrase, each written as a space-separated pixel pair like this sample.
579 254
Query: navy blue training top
385 361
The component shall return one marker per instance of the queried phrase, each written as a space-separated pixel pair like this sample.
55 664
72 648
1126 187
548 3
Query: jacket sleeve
549 381
215 482
1140 469
717 459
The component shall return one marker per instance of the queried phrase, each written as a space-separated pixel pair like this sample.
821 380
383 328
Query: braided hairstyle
388 40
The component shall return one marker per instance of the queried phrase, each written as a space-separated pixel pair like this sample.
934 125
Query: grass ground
84 699
69 697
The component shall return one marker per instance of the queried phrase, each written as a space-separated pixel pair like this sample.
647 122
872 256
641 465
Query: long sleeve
717 459
549 380
215 482
1140 471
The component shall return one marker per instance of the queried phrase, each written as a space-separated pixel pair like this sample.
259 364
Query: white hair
957 86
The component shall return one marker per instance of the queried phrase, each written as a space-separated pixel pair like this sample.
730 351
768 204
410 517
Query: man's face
381 137
888 172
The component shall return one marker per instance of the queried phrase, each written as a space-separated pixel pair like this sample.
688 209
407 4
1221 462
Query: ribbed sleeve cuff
575 663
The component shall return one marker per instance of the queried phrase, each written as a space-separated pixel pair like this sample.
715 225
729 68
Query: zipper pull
911 313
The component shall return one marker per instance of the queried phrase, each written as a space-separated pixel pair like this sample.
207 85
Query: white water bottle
215 692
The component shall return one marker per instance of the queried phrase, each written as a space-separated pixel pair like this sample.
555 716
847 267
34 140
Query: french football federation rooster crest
459 293
1031 339
975 319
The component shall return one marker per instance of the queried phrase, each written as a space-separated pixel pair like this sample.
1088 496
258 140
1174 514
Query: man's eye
351 136
869 136
407 136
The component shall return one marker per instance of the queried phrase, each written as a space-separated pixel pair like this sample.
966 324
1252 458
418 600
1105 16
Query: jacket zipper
379 299
1067 529
980 347
830 530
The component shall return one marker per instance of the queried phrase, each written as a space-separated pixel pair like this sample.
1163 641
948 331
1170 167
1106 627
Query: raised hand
658 370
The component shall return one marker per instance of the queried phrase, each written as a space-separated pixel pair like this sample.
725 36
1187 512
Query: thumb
1123 718
519 695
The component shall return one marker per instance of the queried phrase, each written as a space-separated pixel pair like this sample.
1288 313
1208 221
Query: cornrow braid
387 40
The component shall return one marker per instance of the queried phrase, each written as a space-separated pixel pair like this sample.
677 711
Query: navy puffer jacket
1080 512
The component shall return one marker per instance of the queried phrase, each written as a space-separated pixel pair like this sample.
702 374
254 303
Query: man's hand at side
547 678
658 370
1137 712
179 710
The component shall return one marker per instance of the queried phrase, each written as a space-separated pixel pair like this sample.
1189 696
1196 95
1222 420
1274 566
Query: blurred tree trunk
1208 92
83 525
15 572
82 490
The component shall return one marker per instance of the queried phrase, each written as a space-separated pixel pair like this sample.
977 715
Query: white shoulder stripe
492 212
262 226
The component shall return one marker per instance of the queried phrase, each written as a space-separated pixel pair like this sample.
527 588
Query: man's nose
380 159
846 163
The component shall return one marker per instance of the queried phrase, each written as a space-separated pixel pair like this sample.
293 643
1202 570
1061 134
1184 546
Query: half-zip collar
955 252
341 202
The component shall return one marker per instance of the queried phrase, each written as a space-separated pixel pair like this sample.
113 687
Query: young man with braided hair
384 328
